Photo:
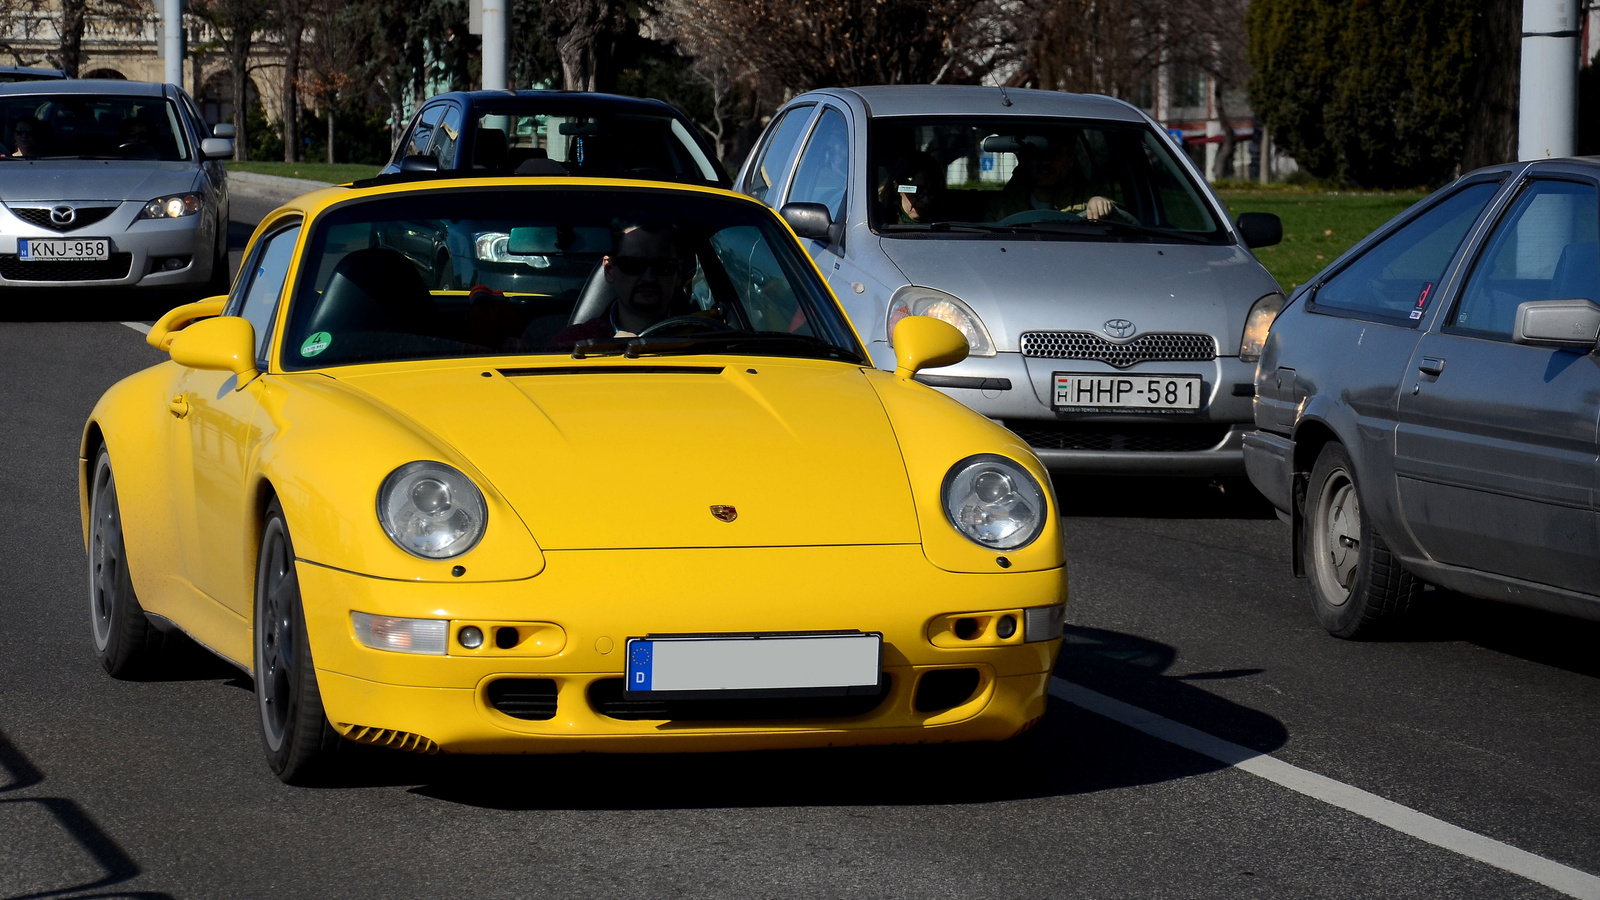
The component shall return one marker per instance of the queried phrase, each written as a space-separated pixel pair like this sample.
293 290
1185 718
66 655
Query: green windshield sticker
316 344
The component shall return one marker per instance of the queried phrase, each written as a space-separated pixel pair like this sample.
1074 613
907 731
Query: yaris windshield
544 270
1067 177
78 126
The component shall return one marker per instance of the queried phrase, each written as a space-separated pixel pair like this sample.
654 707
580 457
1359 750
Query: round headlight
994 502
431 510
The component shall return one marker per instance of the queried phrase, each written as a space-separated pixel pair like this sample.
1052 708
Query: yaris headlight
994 502
912 300
431 510
1256 326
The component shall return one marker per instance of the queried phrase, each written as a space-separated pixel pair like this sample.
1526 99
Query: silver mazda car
110 184
1113 313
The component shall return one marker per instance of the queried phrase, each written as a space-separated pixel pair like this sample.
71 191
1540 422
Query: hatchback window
1545 248
85 126
775 156
1398 278
825 165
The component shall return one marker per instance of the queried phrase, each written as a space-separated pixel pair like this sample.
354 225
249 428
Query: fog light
400 635
1044 623
1006 627
506 638
966 628
470 637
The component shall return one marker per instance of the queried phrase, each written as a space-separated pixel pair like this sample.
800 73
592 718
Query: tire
125 641
1358 588
295 732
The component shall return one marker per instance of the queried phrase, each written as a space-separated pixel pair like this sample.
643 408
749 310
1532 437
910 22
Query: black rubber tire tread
1384 593
311 746
133 646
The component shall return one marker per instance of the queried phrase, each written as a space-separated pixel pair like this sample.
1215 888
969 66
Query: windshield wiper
1094 226
633 348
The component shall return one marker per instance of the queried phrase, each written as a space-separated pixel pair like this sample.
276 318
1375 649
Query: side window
1545 248
258 300
447 137
1398 278
422 133
825 164
759 281
775 156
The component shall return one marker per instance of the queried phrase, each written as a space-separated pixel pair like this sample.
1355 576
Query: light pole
1548 108
172 41
495 14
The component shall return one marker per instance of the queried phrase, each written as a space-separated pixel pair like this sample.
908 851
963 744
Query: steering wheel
138 150
1028 216
687 325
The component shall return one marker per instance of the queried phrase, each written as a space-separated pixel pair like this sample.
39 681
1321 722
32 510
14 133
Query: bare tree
75 18
585 33
291 15
237 21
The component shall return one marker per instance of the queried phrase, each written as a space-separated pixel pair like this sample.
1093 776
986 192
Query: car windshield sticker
1422 299
316 344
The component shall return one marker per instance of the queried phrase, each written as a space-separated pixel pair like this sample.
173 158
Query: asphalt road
1484 717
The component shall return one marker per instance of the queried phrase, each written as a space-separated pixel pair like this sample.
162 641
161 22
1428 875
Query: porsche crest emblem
724 513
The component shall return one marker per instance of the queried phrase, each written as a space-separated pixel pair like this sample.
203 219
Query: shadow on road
1546 638
1153 497
1070 752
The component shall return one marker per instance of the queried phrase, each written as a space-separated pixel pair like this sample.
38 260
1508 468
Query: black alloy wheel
124 639
299 740
1358 588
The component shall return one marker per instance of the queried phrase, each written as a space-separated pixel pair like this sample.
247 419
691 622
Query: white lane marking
1404 819
138 326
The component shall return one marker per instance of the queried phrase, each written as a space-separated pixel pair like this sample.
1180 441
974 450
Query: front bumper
138 249
585 605
1016 391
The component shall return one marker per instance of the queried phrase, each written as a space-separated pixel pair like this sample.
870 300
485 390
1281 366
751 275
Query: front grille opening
944 689
13 268
1121 437
605 696
530 699
1156 346
83 216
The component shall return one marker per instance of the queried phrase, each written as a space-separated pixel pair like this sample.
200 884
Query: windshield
1032 175
626 144
55 126
547 270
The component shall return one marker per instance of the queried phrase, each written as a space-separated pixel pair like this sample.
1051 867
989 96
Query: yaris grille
1156 346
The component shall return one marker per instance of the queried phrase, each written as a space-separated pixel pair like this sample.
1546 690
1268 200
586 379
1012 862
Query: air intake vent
605 696
1122 437
1157 346
387 737
945 689
532 699
83 216
113 269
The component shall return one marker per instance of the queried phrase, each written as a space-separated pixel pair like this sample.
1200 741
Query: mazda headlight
174 207
431 510
920 301
1256 326
494 246
994 502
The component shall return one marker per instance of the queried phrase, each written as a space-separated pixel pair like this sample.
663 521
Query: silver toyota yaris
110 184
1114 315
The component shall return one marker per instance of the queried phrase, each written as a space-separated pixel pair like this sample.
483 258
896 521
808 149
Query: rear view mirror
224 130
216 148
1558 323
921 342
1015 143
1260 229
550 240
419 163
223 344
809 220
167 327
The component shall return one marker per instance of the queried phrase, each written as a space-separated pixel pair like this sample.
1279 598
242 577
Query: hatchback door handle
179 406
1431 366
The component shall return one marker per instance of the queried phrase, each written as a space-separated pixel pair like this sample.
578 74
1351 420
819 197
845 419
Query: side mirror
1558 323
809 220
419 163
921 343
167 327
224 130
222 344
216 148
1260 229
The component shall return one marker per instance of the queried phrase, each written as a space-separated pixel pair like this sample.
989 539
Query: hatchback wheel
294 729
1358 588
124 639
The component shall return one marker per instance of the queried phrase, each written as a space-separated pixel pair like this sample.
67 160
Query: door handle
178 406
1431 366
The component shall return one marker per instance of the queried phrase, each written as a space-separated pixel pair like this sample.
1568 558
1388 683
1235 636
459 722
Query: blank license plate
1083 391
754 665
75 250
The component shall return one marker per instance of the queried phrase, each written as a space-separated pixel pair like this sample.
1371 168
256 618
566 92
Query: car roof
90 86
558 99
967 100
315 202
33 73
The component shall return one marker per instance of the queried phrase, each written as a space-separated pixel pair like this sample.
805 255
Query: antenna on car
1004 99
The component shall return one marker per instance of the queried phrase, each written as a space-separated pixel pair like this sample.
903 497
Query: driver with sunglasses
644 273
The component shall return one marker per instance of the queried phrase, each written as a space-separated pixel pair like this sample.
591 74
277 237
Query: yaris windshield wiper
1100 226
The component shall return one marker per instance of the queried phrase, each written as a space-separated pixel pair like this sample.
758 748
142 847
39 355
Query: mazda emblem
62 215
1119 328
724 513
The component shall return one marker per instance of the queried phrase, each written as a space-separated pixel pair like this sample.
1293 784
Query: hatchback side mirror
1558 323
921 342
1260 229
419 163
222 344
809 220
216 148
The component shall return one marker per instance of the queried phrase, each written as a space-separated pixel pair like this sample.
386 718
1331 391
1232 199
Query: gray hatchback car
110 184
1112 312
1428 405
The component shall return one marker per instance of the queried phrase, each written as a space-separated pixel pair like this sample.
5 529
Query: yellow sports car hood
656 453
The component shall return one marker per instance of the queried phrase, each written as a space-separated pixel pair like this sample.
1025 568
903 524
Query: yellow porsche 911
551 465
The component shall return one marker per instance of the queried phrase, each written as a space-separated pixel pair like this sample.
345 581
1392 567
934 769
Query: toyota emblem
62 215
1119 328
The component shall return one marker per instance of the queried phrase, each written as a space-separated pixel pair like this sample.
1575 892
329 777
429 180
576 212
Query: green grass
337 173
1317 225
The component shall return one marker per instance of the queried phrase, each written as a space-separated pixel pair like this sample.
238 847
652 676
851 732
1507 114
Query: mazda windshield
84 126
